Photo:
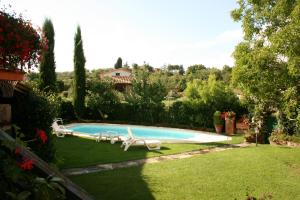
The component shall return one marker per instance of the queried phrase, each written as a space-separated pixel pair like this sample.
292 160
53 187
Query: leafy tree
118 63
211 92
175 69
47 65
102 97
79 74
192 69
267 61
203 73
146 96
204 97
226 74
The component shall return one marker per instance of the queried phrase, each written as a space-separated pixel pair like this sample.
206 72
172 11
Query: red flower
230 114
26 164
42 135
20 42
17 151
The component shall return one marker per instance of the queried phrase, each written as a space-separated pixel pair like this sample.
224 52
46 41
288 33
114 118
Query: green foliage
250 136
213 93
207 96
145 96
173 83
202 73
194 68
60 86
79 90
118 63
175 69
66 111
36 111
267 62
47 65
101 98
279 137
217 118
226 74
16 183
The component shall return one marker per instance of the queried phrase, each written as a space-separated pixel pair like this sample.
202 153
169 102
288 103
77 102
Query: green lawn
220 175
79 152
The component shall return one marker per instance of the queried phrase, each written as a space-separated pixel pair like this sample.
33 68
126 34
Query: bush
33 111
250 137
19 179
279 137
217 118
67 111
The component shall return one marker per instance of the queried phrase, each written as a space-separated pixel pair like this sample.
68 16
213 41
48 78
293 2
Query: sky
158 32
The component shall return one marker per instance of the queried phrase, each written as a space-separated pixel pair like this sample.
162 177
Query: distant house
121 77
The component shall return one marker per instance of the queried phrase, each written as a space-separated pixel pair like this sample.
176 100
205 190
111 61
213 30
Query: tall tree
47 65
79 74
118 63
267 61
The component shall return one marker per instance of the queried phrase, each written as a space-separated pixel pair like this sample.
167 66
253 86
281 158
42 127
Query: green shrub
280 137
67 111
36 110
217 118
250 137
19 179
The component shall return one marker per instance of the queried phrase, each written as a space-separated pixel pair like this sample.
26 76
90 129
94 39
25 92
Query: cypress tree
47 65
118 63
79 74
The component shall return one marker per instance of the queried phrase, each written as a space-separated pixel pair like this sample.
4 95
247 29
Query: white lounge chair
60 130
132 141
110 135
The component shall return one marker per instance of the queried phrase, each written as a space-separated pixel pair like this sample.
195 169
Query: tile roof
122 79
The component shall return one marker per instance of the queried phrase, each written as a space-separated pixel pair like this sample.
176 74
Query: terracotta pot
11 75
218 128
230 126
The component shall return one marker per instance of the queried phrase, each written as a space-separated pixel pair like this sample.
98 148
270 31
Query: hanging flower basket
9 75
21 44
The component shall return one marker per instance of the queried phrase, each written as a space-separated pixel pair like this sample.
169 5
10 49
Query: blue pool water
139 132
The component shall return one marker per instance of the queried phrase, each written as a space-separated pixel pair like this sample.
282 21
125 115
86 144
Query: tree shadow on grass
125 183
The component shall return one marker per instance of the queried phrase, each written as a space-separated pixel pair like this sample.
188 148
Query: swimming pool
147 132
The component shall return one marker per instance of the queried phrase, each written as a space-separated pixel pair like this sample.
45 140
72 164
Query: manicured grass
79 152
220 175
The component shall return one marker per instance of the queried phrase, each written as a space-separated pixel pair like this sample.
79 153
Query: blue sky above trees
158 32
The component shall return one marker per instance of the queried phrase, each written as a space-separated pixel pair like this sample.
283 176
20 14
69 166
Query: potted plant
230 122
218 121
21 45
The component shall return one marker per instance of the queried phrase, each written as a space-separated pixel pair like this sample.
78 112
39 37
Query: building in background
121 77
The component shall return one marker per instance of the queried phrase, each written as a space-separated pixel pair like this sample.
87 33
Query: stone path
112 166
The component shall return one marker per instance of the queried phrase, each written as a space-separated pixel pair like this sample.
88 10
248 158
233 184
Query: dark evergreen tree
47 65
79 75
118 63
